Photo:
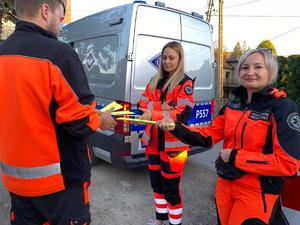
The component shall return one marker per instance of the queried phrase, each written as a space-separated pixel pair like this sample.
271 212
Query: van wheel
94 159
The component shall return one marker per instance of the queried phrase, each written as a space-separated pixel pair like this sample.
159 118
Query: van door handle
117 22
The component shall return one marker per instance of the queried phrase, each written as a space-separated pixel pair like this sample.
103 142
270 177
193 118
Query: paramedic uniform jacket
46 113
264 134
182 99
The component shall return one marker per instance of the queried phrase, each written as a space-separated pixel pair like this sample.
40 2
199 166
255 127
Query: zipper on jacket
263 196
234 146
257 162
242 137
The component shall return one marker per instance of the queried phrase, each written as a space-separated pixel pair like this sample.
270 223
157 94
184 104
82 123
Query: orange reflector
177 163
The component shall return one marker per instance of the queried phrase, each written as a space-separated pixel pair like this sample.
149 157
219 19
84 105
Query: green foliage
289 76
268 44
237 50
7 12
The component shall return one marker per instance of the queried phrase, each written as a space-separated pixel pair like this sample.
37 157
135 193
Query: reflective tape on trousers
31 173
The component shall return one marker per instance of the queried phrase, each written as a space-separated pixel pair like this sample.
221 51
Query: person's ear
45 11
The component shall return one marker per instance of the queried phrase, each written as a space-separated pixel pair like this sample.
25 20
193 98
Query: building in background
230 76
230 79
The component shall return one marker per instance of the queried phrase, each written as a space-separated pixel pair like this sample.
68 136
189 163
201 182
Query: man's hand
107 122
166 124
147 114
225 154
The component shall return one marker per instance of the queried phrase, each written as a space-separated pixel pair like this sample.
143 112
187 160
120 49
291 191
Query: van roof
138 3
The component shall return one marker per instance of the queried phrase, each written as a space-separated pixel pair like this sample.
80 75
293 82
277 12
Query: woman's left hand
147 114
225 154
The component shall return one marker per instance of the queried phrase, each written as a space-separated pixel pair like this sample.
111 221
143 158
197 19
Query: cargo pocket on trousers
177 162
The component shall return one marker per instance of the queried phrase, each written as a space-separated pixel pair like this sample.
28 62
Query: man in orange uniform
47 112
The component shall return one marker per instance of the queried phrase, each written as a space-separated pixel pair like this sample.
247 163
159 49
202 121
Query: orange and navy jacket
182 100
264 136
46 113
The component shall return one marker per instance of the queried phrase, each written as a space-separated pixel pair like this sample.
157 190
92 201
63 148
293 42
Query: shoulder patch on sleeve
293 121
188 90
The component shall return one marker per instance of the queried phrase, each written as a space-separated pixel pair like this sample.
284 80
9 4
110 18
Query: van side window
197 63
99 59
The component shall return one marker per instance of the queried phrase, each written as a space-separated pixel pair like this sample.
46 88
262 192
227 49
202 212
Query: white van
120 51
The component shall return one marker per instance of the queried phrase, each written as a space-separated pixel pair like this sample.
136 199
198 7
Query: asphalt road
124 197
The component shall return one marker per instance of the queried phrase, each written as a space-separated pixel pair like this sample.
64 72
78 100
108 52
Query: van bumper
115 151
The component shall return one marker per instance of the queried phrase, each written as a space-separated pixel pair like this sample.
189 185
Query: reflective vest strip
144 98
31 173
185 102
146 137
150 105
166 115
175 144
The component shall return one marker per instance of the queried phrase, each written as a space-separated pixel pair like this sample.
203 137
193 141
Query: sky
249 21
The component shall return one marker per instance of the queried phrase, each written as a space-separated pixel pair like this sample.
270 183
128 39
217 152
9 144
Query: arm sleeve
198 136
284 161
75 103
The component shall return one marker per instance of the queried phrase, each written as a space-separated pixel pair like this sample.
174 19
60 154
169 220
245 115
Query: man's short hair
29 8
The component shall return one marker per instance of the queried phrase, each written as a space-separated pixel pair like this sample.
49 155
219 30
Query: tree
245 48
237 50
7 12
268 44
289 76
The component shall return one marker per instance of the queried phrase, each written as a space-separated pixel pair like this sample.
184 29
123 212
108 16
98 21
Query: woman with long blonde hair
169 94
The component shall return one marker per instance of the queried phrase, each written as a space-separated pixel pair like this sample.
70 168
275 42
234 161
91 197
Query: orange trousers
239 205
165 175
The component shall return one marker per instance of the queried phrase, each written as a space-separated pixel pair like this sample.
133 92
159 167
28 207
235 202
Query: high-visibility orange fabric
176 98
47 111
237 203
264 139
165 183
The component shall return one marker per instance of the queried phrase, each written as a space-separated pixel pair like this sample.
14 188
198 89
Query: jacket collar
238 97
26 26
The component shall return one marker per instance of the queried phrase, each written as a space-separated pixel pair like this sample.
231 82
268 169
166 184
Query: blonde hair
270 62
178 75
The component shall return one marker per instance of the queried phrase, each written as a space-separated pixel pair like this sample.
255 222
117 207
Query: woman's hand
225 154
147 114
166 124
165 106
